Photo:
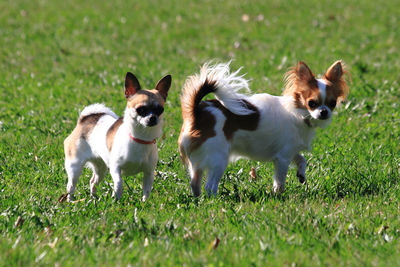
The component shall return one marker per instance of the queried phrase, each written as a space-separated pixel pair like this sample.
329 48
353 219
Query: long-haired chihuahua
260 126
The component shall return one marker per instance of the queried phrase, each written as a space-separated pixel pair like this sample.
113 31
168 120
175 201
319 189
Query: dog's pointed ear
334 72
132 85
303 72
163 86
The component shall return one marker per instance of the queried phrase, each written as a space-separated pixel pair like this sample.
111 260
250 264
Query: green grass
58 56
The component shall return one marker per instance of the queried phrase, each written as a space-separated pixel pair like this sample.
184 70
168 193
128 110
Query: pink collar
140 141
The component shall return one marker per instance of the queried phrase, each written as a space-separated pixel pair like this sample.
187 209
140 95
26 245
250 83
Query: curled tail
96 109
219 80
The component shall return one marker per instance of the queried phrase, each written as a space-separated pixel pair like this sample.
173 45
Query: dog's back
91 117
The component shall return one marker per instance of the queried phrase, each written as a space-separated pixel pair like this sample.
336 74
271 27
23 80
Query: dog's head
317 97
146 107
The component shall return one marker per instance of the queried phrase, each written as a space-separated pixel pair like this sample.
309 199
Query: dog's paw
278 188
196 190
93 192
117 195
302 177
70 198
117 192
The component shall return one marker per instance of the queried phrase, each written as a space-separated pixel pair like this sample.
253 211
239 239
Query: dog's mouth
151 124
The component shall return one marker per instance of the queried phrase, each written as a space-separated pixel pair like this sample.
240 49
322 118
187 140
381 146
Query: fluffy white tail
97 108
217 79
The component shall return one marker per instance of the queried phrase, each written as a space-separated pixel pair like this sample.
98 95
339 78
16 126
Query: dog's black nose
152 121
323 114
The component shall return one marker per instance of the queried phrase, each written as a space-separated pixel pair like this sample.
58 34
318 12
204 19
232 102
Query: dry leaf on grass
214 244
19 222
78 200
253 173
62 198
53 244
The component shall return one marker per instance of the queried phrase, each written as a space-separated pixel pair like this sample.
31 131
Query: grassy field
58 56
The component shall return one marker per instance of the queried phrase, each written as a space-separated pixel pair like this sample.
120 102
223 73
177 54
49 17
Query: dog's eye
312 104
158 110
332 104
142 111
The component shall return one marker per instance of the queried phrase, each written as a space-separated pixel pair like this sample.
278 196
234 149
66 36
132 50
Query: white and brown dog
125 145
260 127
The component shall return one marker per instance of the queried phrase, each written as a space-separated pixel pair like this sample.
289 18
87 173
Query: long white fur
229 86
279 137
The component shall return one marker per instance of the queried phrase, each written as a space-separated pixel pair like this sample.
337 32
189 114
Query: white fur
229 85
127 157
280 136
316 113
97 108
322 88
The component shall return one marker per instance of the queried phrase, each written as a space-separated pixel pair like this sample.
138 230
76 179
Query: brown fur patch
204 123
335 77
87 123
236 122
202 127
147 97
297 77
70 143
306 91
197 119
191 99
335 91
201 122
300 83
82 130
112 131
182 152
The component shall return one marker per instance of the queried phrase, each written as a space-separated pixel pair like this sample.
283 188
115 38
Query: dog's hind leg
281 169
74 170
301 167
99 171
77 153
195 183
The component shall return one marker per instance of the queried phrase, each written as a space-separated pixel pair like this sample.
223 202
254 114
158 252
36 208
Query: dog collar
141 141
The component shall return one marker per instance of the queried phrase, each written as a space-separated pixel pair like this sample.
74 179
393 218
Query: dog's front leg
115 172
281 169
301 167
148 178
214 176
195 183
